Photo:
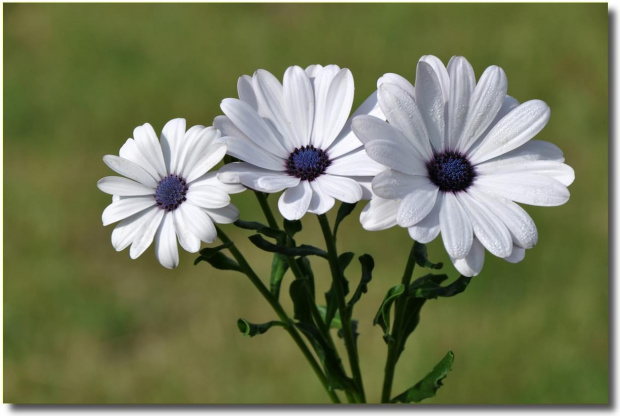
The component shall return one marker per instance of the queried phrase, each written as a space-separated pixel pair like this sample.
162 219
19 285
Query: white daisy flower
459 154
167 193
296 136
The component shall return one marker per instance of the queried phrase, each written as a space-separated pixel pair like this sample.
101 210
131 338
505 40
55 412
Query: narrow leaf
279 235
345 259
335 322
292 227
208 252
279 266
383 314
306 268
249 329
367 265
343 211
303 250
219 261
429 286
428 386
302 300
420 256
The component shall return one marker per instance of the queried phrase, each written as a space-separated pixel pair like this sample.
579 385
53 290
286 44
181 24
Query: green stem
271 220
393 348
290 328
345 317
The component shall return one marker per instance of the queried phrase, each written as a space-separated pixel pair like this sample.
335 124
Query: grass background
84 324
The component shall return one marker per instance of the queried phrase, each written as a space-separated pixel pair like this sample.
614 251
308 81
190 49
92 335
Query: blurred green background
85 324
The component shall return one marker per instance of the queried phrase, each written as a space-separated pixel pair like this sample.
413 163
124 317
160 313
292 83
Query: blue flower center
170 192
451 171
307 163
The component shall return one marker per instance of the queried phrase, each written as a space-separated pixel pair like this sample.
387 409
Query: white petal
346 140
471 265
558 171
428 229
365 182
124 233
509 104
144 237
225 215
270 97
210 178
484 105
398 80
516 256
525 188
198 222
402 113
392 184
228 128
488 229
321 84
320 202
247 151
379 214
131 152
532 150
462 84
212 156
166 249
340 187
294 202
519 223
246 92
516 128
299 104
355 163
388 146
442 73
256 178
430 102
336 108
198 147
195 136
390 153
456 229
417 204
171 139
206 196
313 70
123 208
130 169
149 146
253 126
115 185
187 240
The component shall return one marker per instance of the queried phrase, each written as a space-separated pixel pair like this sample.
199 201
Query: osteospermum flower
459 154
167 193
296 137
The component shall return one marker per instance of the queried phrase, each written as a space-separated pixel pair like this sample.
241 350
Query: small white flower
459 155
296 136
167 193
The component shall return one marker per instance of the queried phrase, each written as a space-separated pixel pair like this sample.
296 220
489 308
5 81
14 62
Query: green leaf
335 322
306 268
343 211
367 265
249 329
292 227
279 235
219 261
303 250
428 386
334 371
429 286
345 259
279 266
383 314
302 300
420 256
208 252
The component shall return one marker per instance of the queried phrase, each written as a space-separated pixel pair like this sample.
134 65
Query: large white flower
296 136
167 193
459 154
